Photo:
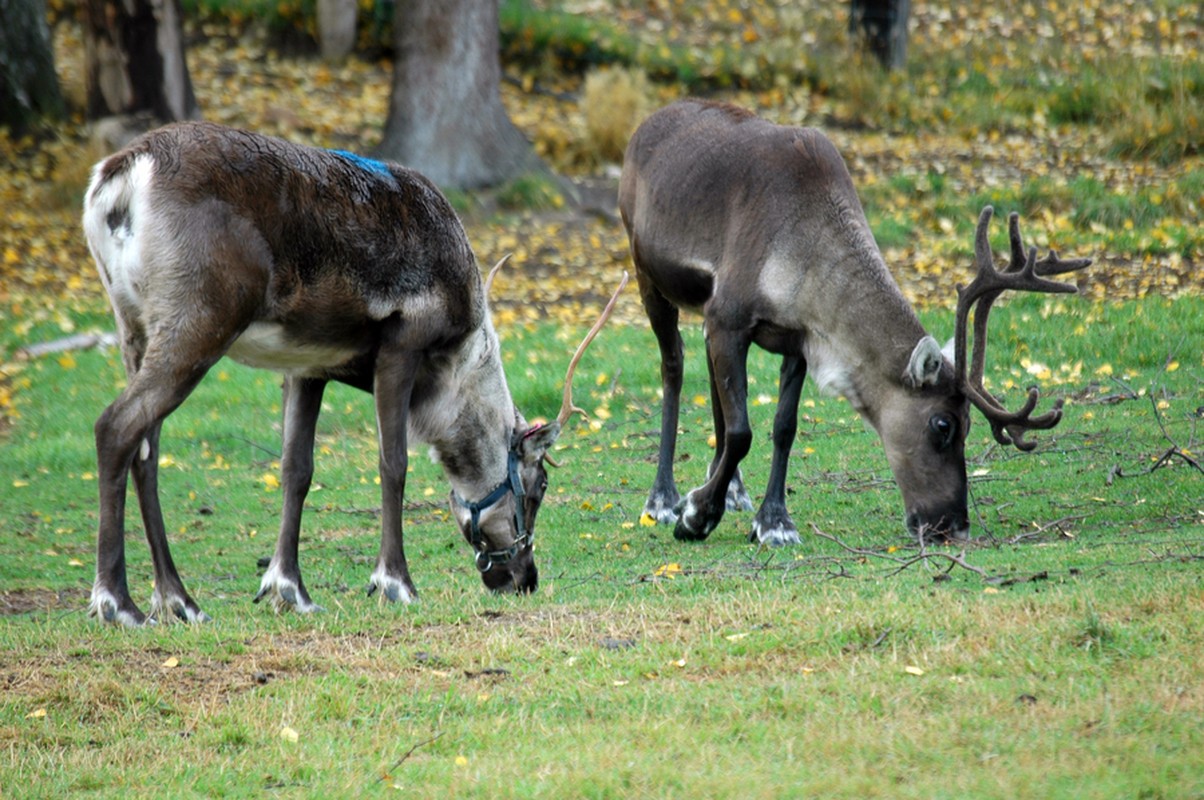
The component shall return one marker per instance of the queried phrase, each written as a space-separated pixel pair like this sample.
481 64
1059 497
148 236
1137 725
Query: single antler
1023 273
567 409
493 272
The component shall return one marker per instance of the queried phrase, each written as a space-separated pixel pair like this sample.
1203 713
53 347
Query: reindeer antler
493 272
567 409
1024 273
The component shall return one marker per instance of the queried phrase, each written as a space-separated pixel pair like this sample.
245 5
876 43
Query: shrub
614 102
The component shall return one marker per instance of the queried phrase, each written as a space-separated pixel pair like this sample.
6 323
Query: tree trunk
883 23
29 86
134 61
336 28
446 117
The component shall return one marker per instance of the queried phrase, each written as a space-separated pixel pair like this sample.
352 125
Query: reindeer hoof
692 524
738 499
683 533
286 594
663 509
392 589
776 534
105 606
173 607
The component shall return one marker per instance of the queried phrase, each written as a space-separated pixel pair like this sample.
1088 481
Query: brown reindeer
324 266
758 227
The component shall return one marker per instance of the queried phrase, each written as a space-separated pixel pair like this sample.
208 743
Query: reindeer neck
863 331
475 417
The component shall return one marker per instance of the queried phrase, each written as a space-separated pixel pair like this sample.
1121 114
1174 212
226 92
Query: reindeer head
925 429
501 526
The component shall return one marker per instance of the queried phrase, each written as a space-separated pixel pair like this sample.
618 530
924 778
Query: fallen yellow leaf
36 714
668 570
913 670
289 735
646 519
171 663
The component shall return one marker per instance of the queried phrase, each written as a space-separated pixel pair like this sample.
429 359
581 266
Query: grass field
1060 654
1068 667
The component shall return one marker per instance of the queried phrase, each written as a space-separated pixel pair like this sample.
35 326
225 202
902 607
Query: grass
643 666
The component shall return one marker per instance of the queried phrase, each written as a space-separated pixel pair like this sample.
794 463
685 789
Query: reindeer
758 227
324 266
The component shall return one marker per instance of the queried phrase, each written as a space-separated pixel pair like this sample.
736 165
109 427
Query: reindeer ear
536 440
926 364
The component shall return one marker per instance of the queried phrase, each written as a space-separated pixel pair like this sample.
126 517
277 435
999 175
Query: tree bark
446 117
29 87
134 60
883 23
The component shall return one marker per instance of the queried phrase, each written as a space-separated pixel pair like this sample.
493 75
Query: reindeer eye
944 430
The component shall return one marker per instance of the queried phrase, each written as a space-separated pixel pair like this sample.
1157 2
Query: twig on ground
407 754
79 341
1041 529
905 562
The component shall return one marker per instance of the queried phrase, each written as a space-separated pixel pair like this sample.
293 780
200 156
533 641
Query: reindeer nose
528 581
941 527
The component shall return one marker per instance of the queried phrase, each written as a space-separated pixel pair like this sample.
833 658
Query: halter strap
512 484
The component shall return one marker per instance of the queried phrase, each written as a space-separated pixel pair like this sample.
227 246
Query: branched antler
1023 273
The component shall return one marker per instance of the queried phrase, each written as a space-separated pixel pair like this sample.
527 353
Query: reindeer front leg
704 507
773 525
302 402
663 497
394 384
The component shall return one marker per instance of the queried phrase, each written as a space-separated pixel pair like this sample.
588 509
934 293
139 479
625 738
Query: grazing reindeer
758 227
325 266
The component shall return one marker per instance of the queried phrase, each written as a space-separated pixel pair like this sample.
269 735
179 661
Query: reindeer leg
773 525
663 498
127 437
170 599
395 374
737 498
302 402
704 506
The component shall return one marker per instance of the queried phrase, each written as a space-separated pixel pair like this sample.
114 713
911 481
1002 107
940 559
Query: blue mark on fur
366 164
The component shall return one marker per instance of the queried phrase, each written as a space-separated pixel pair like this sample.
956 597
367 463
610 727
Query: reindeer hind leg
737 494
127 440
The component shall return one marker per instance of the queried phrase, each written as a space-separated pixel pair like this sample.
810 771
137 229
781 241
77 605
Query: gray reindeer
758 227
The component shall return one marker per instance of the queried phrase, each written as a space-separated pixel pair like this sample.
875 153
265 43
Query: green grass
812 671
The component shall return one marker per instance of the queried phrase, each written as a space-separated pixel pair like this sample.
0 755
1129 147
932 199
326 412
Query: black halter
512 484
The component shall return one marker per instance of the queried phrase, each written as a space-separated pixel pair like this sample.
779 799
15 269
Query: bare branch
409 753
906 561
